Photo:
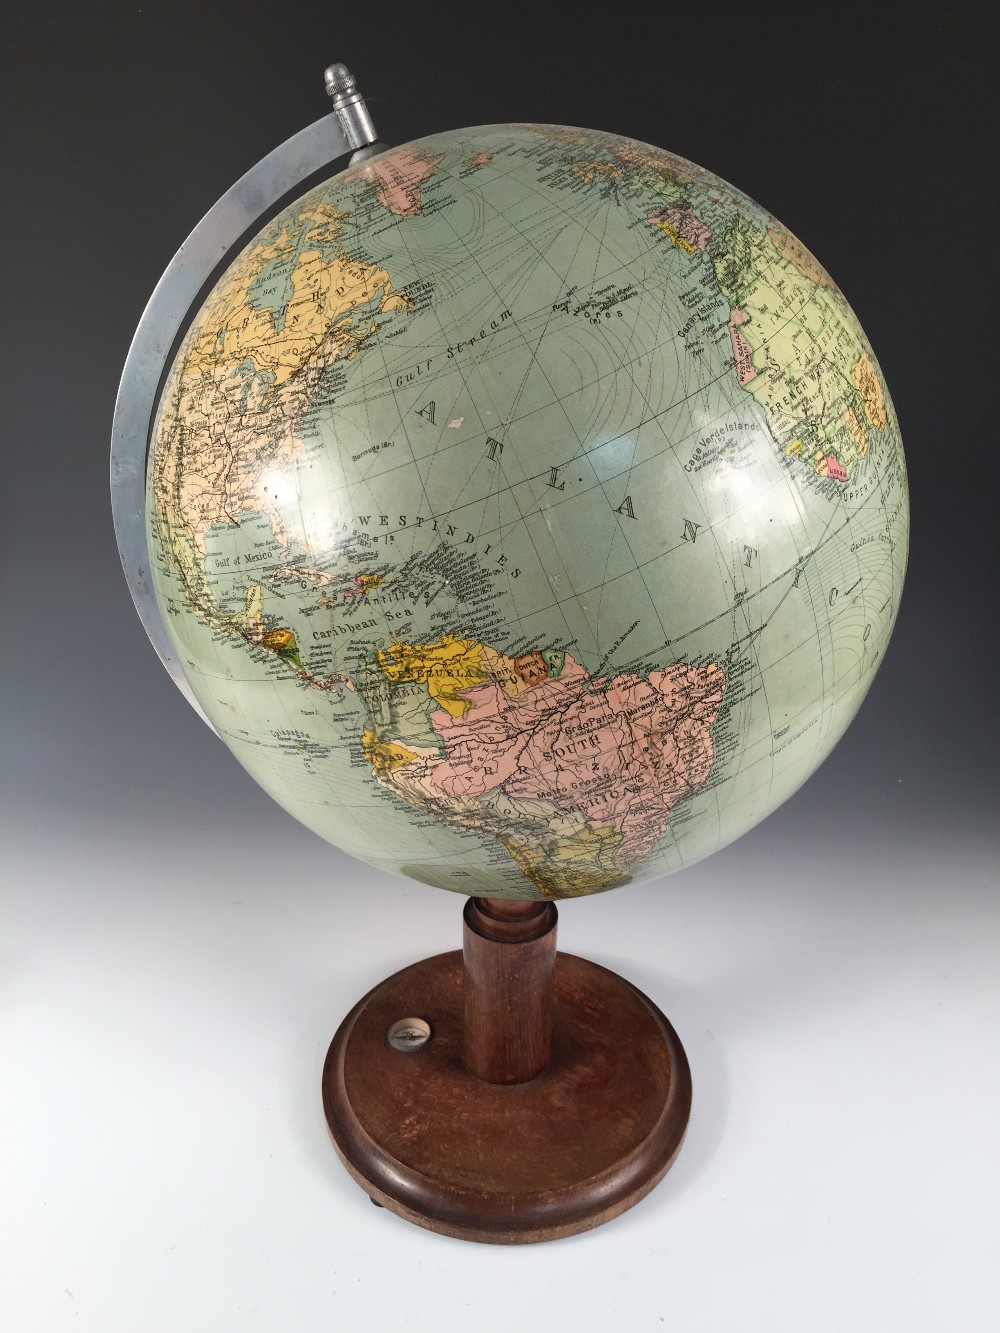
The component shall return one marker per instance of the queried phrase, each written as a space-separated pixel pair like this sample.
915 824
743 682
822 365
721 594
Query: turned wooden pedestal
550 1096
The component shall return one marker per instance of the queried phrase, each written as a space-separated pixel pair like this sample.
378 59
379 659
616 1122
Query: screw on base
409 1034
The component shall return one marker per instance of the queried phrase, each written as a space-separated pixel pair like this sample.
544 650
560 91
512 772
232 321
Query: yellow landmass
808 348
319 293
857 430
589 171
502 669
867 385
250 621
384 756
180 548
213 461
578 864
447 667
674 236
251 367
792 249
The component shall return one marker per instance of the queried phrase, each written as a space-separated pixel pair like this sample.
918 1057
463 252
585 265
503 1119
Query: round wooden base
572 1148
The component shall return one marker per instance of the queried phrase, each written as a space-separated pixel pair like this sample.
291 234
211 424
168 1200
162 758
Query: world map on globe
528 511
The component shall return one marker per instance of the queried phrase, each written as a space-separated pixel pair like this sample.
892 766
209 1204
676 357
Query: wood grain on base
508 1163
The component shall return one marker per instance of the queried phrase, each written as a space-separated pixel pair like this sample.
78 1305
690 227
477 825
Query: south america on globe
528 511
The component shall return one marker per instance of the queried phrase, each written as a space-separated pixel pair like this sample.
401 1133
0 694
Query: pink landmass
745 368
834 468
684 222
479 160
398 177
623 752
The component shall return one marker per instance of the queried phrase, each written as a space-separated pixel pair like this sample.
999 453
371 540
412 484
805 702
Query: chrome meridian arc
348 127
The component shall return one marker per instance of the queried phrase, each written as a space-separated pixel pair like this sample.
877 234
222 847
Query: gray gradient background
177 952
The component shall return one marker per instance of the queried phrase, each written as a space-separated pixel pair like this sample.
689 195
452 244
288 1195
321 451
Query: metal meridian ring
244 204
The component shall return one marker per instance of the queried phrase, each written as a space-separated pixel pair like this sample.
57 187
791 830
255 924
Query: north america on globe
528 511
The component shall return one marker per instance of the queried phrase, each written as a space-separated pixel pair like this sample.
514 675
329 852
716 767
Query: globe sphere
528 511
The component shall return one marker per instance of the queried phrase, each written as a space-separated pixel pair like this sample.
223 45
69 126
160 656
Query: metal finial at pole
350 110
339 80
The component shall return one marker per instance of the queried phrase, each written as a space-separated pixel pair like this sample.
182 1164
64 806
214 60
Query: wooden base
508 1163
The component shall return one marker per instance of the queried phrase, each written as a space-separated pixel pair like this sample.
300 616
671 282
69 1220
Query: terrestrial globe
528 514
527 508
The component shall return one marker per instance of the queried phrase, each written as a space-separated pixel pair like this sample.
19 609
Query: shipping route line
722 378
539 477
498 532
797 569
747 638
626 267
643 356
749 596
799 565
614 648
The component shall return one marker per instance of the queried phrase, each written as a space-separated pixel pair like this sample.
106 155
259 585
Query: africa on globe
528 511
